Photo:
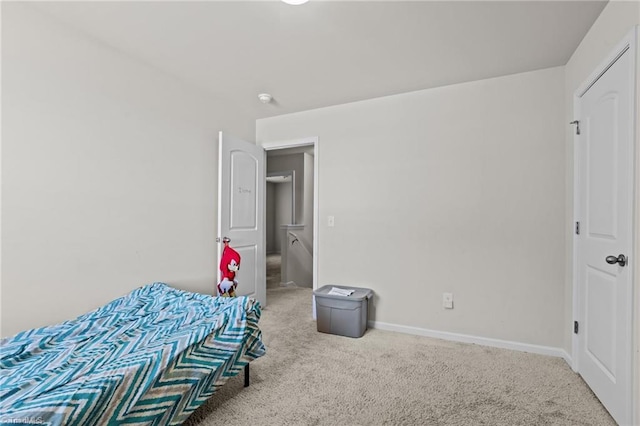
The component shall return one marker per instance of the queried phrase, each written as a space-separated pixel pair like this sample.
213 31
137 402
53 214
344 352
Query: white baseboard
568 359
484 341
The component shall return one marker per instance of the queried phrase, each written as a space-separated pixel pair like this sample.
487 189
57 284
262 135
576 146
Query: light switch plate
447 300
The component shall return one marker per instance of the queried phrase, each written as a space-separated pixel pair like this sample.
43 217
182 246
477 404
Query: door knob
621 260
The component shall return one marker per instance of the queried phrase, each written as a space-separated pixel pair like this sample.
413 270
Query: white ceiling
332 52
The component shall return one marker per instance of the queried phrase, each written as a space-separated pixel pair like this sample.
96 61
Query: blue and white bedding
148 358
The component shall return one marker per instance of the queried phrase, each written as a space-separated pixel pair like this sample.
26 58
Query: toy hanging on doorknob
229 265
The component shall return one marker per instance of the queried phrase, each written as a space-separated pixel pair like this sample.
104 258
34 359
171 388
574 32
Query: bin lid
359 293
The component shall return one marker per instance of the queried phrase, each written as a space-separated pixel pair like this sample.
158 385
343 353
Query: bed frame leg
246 375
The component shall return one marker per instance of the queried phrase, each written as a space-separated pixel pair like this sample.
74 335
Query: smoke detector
265 98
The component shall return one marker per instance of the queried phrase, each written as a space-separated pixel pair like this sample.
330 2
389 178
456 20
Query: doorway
291 212
280 210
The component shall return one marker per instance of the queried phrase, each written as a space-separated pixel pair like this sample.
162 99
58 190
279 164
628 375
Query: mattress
150 357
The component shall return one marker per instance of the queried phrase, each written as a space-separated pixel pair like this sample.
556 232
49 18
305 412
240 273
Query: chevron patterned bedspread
148 358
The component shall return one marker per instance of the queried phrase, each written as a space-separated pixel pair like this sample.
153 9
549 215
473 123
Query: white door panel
242 206
247 287
600 336
241 180
605 194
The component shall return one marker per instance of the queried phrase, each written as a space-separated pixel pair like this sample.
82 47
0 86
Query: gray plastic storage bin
342 315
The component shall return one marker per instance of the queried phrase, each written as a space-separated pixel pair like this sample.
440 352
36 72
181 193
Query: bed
150 357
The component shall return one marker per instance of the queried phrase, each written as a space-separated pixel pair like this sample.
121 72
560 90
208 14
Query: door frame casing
629 43
295 143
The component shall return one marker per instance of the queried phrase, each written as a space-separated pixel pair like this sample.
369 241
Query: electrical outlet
331 221
447 300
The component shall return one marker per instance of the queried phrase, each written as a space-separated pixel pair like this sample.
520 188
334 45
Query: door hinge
575 327
577 123
577 228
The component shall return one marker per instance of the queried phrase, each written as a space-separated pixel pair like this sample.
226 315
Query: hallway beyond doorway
273 270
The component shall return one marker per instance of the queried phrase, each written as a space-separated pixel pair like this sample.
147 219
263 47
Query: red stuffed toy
229 265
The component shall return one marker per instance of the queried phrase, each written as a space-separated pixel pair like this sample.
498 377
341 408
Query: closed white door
241 188
604 243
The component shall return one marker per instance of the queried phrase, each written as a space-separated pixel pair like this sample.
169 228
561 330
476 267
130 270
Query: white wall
270 214
307 234
299 260
283 163
282 213
456 189
109 174
613 24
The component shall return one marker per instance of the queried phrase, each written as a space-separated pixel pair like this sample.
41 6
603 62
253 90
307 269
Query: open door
241 188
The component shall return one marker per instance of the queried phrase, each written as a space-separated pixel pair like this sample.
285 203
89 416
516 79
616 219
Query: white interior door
605 193
241 188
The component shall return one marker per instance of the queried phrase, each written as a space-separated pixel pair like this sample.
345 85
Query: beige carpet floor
273 270
385 378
